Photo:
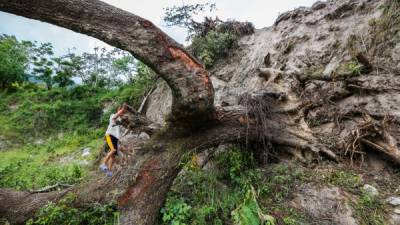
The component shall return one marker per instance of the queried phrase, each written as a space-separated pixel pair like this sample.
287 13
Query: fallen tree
194 124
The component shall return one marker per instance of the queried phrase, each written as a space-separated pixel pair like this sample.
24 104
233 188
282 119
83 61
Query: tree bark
193 94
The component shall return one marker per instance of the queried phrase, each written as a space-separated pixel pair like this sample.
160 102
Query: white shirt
114 129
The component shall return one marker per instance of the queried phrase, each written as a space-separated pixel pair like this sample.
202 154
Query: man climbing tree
113 135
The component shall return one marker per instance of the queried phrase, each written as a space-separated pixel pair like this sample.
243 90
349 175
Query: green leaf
249 212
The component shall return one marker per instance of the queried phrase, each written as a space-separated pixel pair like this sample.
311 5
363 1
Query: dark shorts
113 144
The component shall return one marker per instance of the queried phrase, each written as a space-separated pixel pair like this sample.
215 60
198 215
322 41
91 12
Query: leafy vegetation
234 192
43 64
355 68
175 211
344 178
46 120
13 61
63 213
31 114
46 126
211 39
182 16
58 160
206 193
370 209
249 212
25 61
213 46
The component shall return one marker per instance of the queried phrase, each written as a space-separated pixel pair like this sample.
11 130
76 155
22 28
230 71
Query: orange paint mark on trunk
190 64
144 181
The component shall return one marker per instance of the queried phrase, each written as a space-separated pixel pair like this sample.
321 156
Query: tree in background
107 68
43 64
125 66
96 68
183 16
13 61
67 67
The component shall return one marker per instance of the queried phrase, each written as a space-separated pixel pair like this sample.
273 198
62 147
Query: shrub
63 213
175 211
212 39
215 45
213 195
235 165
217 40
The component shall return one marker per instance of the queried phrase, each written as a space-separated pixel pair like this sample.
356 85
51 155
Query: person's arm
121 111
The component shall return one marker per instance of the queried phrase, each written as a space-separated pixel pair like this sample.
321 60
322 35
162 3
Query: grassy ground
45 132
57 160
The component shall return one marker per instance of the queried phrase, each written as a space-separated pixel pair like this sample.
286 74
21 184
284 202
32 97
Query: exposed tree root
374 134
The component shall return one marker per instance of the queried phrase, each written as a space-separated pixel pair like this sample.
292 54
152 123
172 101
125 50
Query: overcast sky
261 13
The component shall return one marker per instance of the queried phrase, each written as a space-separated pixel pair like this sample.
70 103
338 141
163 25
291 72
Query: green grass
344 178
370 210
275 189
31 114
42 127
37 165
45 132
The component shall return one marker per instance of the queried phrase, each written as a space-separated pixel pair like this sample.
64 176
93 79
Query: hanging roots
373 134
258 110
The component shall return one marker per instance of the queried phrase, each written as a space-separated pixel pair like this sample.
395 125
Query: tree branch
193 94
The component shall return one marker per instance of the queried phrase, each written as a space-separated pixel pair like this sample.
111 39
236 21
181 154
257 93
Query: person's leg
111 162
112 149
108 156
107 148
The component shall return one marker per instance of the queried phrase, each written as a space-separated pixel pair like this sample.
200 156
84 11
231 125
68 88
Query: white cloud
260 12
